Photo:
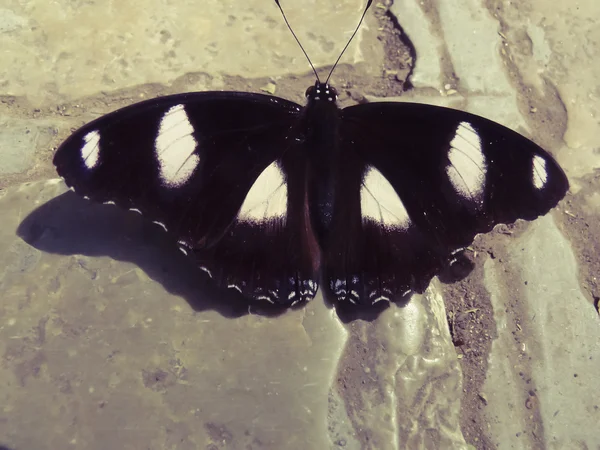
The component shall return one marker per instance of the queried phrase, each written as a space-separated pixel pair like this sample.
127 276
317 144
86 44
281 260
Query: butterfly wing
419 182
218 170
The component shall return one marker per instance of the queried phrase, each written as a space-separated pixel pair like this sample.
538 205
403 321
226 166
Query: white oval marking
539 174
175 147
467 166
135 210
90 152
267 198
380 202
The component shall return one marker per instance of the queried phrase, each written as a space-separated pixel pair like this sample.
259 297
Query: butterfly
273 199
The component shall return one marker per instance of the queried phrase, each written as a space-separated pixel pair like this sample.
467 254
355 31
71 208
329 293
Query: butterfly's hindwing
376 251
267 253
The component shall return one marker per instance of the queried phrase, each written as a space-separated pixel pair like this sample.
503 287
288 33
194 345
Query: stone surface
418 27
19 141
548 362
108 337
75 49
558 50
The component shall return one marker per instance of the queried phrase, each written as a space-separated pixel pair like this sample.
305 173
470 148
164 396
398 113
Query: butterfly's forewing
213 168
422 181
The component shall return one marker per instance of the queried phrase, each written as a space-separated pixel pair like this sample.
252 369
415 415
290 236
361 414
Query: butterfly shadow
71 225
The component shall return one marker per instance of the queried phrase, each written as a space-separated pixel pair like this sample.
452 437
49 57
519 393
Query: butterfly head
321 92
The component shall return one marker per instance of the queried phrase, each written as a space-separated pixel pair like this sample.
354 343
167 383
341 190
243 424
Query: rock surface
108 337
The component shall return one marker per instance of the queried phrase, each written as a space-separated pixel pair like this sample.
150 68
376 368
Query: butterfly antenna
295 37
350 40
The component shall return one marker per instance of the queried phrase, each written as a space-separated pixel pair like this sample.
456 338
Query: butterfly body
321 125
272 198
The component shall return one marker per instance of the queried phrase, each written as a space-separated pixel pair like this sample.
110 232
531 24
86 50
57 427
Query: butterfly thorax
321 119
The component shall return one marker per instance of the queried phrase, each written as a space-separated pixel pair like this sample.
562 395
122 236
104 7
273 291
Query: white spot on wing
267 198
380 202
467 166
175 147
160 224
265 297
234 286
379 298
539 172
90 151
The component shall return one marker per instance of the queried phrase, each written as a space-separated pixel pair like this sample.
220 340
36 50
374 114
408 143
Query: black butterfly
272 198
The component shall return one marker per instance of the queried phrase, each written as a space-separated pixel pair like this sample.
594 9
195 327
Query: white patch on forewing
539 172
467 166
267 198
175 147
380 202
90 152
